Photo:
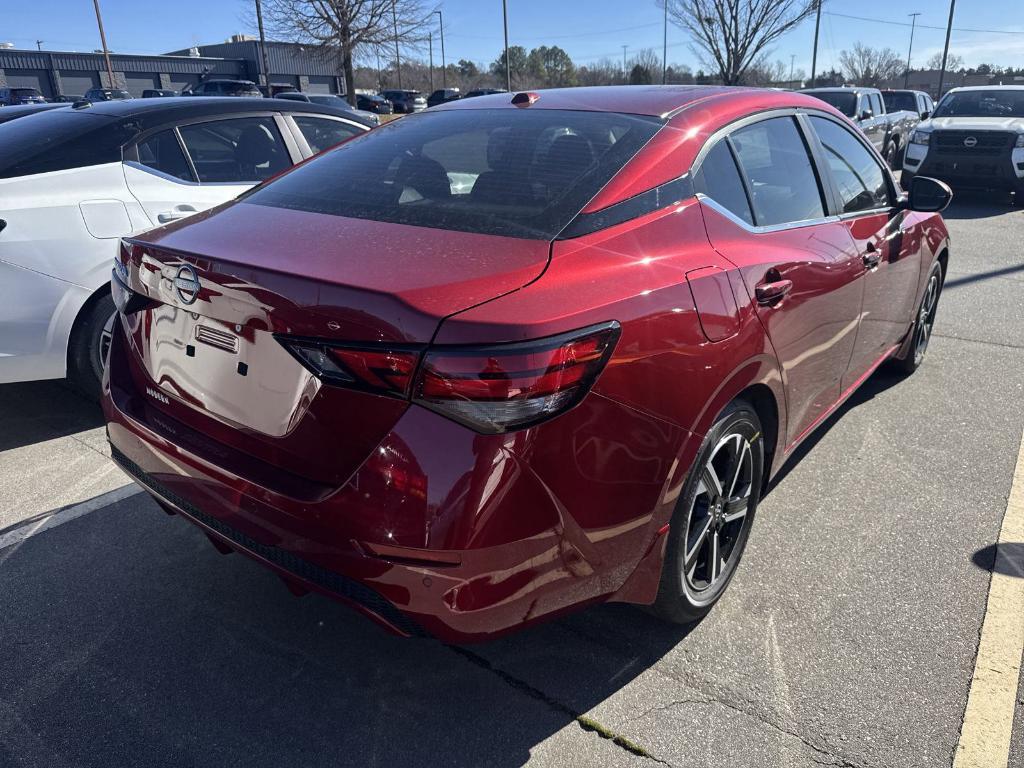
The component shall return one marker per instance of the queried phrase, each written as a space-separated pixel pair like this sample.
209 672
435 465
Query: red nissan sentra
519 354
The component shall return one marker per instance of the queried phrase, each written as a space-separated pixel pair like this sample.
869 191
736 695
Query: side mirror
867 114
928 195
925 115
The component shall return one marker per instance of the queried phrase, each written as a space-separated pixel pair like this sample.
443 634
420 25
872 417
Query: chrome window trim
762 230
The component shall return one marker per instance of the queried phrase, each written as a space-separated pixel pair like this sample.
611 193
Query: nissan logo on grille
970 141
186 284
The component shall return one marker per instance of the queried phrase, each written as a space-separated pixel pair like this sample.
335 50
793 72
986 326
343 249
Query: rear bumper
505 532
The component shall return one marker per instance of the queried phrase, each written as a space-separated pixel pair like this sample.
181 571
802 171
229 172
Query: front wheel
712 519
923 323
890 156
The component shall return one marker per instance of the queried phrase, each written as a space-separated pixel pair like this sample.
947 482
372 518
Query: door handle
769 293
178 212
871 256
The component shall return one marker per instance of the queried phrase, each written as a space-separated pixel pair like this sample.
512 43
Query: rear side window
321 133
494 171
162 153
242 149
59 140
777 167
861 181
719 179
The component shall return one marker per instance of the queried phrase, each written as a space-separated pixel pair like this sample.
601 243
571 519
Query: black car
484 92
106 94
68 98
243 88
331 100
405 102
12 96
443 95
158 93
373 103
24 110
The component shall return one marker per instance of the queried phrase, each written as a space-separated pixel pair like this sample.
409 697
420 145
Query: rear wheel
923 324
890 155
90 342
712 520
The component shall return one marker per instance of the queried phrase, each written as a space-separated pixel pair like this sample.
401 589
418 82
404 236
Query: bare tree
869 66
343 29
732 35
954 63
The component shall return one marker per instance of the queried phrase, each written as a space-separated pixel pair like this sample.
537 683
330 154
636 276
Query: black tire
87 348
734 450
924 322
890 156
1018 196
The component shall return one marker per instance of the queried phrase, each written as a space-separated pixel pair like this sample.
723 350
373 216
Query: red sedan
519 354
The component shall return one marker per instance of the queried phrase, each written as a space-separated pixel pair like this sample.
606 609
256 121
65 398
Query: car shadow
1009 563
43 410
146 647
969 204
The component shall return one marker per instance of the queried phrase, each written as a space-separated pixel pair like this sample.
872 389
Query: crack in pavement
585 723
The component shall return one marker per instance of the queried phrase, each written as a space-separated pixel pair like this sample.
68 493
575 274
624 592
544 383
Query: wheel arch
762 399
83 311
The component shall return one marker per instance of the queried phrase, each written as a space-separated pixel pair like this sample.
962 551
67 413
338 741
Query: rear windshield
492 171
982 104
59 139
895 101
25 92
229 87
844 101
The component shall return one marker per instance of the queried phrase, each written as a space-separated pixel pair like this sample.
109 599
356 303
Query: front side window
518 174
860 178
241 149
876 104
321 133
719 179
163 153
777 167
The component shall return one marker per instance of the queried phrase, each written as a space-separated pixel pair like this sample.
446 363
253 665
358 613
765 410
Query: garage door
321 84
179 81
30 78
77 83
137 83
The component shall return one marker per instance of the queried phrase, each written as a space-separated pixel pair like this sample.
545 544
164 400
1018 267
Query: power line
925 26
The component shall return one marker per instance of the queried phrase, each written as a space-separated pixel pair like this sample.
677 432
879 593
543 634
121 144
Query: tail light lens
491 389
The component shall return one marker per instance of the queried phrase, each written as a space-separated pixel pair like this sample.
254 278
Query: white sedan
74 181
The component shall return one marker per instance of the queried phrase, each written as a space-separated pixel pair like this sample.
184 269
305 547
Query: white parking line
988 720
62 516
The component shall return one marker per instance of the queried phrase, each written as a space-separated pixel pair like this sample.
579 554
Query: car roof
832 88
987 88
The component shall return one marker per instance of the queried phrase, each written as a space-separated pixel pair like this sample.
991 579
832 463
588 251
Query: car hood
974 124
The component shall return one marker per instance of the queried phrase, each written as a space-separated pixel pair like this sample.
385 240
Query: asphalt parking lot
848 638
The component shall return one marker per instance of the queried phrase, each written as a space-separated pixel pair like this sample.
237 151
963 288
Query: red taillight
491 389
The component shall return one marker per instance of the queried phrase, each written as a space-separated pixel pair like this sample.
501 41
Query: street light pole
664 47
444 74
508 65
792 60
430 48
624 79
398 56
913 22
945 49
814 56
263 49
103 42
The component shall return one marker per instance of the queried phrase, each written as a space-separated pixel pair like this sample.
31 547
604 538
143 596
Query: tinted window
775 163
719 179
525 174
321 133
844 101
899 100
860 178
162 152
59 139
236 150
982 104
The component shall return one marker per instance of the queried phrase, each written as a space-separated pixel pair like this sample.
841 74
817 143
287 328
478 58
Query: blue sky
587 29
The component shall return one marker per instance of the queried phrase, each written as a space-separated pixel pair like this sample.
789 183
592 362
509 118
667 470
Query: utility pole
508 65
945 49
664 46
624 78
398 56
913 22
39 44
380 77
792 60
814 57
263 49
103 42
430 48
444 74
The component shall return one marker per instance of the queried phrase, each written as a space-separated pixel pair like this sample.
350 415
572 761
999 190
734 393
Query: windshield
982 104
844 101
25 92
500 172
897 100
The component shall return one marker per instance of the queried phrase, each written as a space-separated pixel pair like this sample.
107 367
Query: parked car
974 139
10 97
106 94
68 98
331 100
158 93
373 103
865 106
405 102
75 179
24 110
243 88
472 370
483 92
276 89
443 95
909 101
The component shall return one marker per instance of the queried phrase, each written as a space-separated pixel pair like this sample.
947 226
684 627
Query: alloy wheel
718 516
106 334
926 318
